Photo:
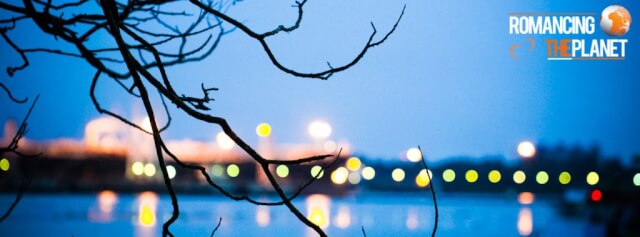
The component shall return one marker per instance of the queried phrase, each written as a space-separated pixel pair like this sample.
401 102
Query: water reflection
525 221
318 210
147 204
343 218
106 200
263 217
412 222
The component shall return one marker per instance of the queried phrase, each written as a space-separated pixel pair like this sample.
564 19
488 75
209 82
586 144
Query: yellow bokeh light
593 178
233 170
147 203
519 177
137 168
397 175
317 171
263 130
171 171
449 175
354 163
414 154
4 164
149 169
368 173
542 177
339 176
318 217
224 141
471 176
319 129
564 177
282 171
422 179
526 149
147 215
494 176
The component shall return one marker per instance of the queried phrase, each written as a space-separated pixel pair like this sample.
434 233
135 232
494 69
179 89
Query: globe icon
615 20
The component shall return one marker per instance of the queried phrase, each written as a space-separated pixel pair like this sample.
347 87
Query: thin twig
433 193
217 226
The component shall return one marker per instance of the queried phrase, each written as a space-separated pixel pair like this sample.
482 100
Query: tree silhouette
140 54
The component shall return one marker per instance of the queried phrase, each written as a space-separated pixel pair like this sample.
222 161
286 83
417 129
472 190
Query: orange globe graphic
615 20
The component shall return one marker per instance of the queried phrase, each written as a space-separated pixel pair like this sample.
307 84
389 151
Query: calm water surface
386 214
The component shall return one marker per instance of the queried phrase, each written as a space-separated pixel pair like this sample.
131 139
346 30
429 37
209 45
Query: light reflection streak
147 204
525 221
343 218
318 211
106 199
412 219
263 217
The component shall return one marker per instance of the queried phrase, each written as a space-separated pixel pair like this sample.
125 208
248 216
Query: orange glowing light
106 200
526 198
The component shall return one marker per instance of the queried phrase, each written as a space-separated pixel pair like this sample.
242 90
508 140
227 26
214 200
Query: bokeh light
526 198
354 178
263 217
422 179
282 171
542 177
107 200
343 218
596 195
330 146
494 176
414 154
137 168
636 180
449 175
233 170
354 163
263 130
471 176
525 222
526 149
4 164
171 171
319 129
519 177
593 178
224 141
564 177
317 170
217 170
339 176
149 170
397 175
368 173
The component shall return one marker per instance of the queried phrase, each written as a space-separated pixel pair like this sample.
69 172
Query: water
387 214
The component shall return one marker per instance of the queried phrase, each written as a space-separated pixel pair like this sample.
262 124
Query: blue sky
444 81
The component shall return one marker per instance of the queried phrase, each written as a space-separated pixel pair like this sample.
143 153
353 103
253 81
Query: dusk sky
444 80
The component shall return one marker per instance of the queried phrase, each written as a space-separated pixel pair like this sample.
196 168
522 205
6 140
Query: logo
571 35
615 20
